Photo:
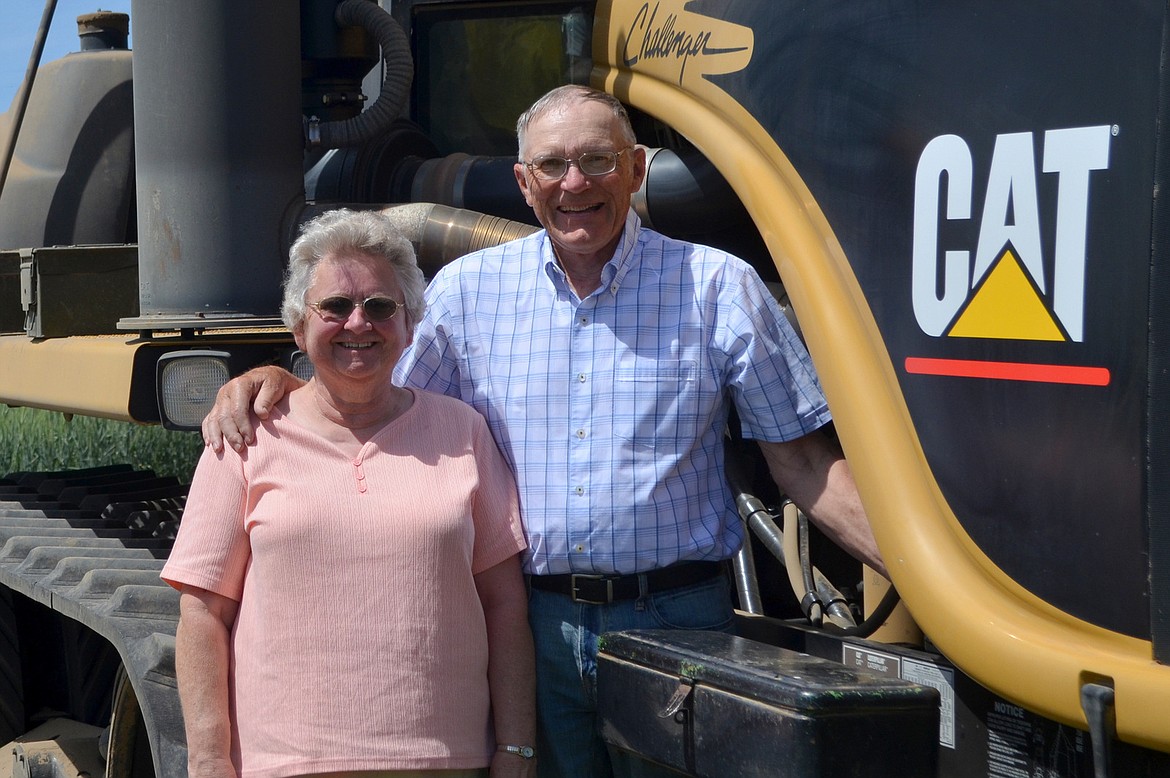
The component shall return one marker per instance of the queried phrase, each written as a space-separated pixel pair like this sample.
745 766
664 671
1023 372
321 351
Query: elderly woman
352 603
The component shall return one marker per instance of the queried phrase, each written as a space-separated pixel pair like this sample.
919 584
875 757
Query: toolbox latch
28 286
679 700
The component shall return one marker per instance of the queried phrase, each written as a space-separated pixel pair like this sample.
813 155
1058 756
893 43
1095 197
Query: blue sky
19 20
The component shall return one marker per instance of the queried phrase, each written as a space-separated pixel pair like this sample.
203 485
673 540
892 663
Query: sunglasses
338 308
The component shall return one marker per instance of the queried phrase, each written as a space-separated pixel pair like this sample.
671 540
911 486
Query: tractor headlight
187 384
300 366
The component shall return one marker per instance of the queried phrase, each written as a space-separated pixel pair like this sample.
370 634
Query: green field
35 440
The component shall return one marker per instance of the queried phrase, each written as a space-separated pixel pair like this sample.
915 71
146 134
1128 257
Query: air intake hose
399 72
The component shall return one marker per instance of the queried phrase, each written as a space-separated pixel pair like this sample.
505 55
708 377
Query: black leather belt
604 589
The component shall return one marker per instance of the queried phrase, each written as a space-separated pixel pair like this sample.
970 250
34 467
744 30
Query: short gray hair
340 231
563 96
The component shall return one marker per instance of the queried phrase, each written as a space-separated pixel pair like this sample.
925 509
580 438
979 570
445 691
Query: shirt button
580 490
580 434
583 320
579 548
581 377
613 288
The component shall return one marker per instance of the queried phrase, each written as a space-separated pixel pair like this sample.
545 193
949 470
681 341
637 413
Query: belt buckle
574 592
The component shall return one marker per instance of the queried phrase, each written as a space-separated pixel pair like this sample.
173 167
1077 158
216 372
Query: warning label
922 673
943 679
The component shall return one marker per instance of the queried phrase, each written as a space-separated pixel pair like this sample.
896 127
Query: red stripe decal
1009 371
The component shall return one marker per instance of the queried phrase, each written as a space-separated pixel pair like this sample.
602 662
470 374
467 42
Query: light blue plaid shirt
611 410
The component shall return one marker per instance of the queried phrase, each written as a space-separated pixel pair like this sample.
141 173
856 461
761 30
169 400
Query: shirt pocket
656 403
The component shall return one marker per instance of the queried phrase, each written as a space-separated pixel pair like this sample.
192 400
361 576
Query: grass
36 440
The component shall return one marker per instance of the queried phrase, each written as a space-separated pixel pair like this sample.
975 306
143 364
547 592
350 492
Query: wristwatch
524 752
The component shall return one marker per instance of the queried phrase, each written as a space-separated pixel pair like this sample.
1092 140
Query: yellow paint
682 47
1006 307
1009 640
88 375
97 375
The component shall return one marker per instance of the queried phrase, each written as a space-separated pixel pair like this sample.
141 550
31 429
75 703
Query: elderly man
605 358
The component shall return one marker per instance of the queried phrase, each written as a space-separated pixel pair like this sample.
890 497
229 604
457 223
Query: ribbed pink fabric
360 641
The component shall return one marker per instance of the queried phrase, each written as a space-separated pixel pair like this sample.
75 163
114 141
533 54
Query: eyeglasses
591 163
338 308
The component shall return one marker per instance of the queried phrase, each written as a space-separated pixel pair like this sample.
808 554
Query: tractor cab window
477 73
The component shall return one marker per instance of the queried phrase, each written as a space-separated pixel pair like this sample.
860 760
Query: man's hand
229 419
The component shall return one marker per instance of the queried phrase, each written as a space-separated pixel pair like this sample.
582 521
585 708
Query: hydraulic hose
818 596
882 612
800 571
836 606
399 72
794 552
758 520
756 517
806 573
747 586
763 525
791 551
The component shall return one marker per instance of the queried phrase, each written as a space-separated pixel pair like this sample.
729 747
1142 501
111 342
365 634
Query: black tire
11 680
128 751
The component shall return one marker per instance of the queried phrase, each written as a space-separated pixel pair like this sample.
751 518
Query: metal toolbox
57 291
715 704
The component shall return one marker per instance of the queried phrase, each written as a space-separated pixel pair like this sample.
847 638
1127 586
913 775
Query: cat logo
1003 292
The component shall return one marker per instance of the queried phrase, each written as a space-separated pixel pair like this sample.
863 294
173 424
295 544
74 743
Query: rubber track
80 557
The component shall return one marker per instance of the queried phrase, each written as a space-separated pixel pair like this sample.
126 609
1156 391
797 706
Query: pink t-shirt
360 641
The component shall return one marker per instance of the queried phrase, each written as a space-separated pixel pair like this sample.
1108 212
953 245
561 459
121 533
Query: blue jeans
569 743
